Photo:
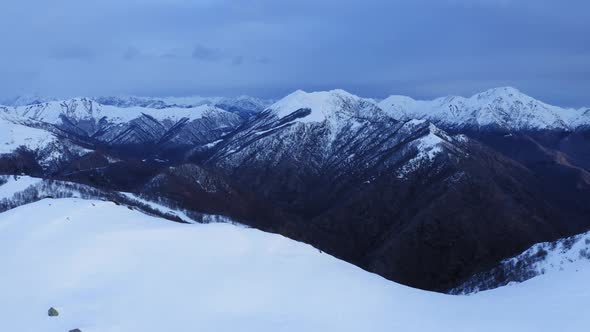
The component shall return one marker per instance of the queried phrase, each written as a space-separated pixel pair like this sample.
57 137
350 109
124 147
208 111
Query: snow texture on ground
15 184
108 268
13 136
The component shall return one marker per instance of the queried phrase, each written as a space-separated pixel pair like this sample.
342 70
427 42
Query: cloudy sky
267 48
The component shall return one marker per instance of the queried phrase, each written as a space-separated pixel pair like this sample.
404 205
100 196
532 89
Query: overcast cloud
267 48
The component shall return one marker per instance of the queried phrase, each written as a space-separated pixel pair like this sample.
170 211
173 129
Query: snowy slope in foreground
15 185
107 268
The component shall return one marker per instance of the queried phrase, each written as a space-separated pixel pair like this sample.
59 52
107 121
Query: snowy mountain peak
508 95
322 105
502 91
504 108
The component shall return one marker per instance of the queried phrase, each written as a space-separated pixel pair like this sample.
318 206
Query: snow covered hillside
9 185
570 254
13 136
108 268
47 147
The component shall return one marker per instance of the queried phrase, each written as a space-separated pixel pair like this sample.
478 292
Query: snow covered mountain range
334 130
86 120
460 183
501 108
242 105
199 121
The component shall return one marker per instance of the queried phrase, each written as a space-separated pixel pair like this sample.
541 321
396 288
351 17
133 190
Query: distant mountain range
427 193
502 108
499 108
244 106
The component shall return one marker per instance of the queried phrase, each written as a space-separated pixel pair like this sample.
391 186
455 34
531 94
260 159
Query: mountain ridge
504 108
499 108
